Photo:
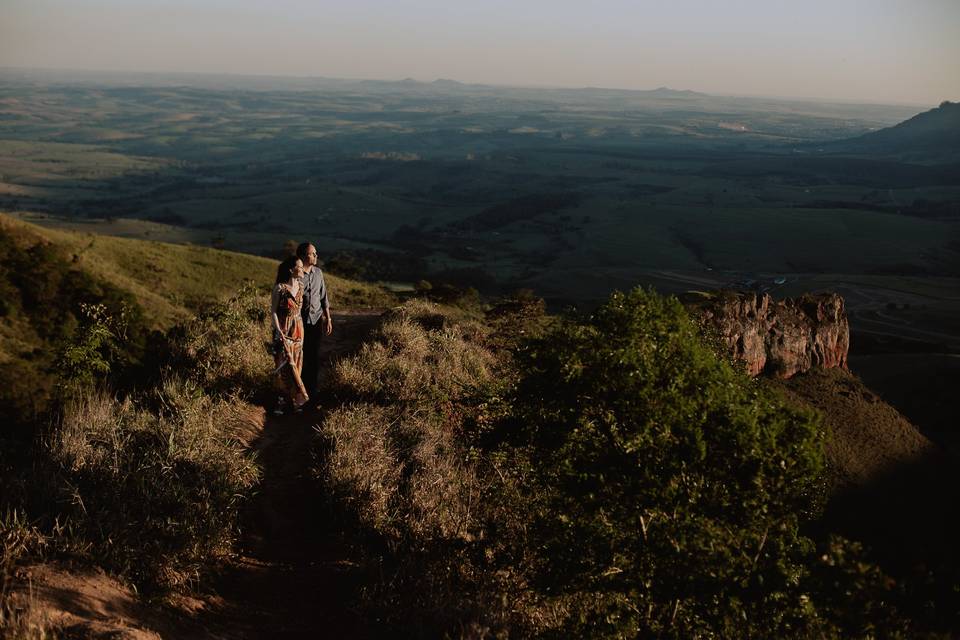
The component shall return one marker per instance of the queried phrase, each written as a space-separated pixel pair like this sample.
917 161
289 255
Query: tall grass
152 486
399 465
149 485
19 619
224 348
397 442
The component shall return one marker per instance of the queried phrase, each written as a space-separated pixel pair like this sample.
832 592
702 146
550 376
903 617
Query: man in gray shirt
316 317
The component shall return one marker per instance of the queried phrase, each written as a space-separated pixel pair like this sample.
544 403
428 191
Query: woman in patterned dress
288 333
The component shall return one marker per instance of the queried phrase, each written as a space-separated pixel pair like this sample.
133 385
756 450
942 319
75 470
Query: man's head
308 253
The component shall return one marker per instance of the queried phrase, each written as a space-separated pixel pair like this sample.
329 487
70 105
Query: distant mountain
659 92
667 92
934 133
446 82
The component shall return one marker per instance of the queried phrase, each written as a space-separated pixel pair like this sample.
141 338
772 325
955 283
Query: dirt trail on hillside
292 578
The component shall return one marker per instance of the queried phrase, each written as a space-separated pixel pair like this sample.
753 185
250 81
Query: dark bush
667 488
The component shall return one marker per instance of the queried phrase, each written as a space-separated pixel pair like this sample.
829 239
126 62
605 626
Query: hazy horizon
145 74
891 52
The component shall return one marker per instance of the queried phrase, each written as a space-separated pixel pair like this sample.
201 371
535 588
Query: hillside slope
290 573
310 555
867 438
890 486
170 281
46 275
931 134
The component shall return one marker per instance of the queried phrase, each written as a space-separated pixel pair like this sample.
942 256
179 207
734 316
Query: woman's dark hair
302 249
285 268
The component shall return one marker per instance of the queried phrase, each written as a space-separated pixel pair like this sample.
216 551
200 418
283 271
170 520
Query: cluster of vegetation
218 348
42 304
607 476
395 464
669 488
150 487
144 480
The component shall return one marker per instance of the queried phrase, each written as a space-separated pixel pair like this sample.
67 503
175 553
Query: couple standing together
301 317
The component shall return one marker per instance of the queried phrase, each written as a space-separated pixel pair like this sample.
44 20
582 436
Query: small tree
95 346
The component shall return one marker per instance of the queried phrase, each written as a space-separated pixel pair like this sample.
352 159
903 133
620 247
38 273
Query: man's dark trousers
312 341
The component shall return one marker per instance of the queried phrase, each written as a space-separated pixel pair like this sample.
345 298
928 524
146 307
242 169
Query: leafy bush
667 488
855 595
94 348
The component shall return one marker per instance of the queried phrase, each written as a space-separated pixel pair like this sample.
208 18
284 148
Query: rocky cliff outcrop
780 337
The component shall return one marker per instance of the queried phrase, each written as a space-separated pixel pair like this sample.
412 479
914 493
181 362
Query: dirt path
292 578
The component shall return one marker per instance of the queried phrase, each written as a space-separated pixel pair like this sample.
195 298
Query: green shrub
855 595
666 489
94 348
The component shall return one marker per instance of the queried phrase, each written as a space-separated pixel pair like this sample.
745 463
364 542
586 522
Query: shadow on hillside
295 576
921 386
910 518
292 578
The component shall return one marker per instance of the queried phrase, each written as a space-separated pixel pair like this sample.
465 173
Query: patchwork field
570 193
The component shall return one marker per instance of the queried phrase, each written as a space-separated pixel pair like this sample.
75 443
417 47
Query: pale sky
869 50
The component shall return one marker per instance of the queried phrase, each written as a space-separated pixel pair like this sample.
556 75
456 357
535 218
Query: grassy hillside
169 281
867 437
47 276
145 453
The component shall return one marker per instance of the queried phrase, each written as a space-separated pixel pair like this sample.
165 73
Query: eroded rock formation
780 337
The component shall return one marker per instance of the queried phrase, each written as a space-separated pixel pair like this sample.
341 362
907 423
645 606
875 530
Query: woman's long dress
288 348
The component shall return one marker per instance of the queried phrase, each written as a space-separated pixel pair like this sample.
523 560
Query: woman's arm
274 302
